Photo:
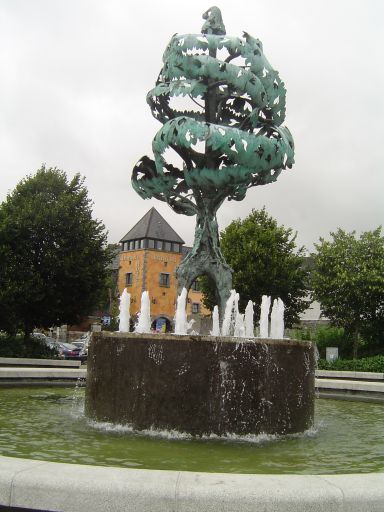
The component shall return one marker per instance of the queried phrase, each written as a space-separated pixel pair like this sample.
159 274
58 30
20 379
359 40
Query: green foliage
366 364
53 255
265 261
18 346
333 337
304 334
110 294
348 281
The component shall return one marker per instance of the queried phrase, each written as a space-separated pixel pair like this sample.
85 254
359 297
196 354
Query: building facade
150 254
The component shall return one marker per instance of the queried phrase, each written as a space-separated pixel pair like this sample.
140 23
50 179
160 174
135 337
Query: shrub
17 346
366 364
333 337
324 336
304 334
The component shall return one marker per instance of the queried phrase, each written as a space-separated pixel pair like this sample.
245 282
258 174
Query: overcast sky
75 73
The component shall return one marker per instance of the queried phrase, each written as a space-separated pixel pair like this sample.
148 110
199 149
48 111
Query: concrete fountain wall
201 385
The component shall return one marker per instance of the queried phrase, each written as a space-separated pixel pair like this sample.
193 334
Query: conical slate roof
152 225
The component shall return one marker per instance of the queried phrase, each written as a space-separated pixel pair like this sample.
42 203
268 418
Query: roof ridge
151 211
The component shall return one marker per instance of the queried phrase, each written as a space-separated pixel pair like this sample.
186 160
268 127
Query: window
159 245
151 244
164 279
195 308
176 247
141 244
137 244
167 246
128 279
131 245
195 286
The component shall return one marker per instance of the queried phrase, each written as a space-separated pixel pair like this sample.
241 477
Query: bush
17 346
333 337
304 334
366 364
324 336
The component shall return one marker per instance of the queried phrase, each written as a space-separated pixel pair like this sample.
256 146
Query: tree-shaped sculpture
232 141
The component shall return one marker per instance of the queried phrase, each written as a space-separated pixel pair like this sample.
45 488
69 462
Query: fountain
144 319
211 385
224 384
124 311
182 325
215 322
277 319
248 318
264 322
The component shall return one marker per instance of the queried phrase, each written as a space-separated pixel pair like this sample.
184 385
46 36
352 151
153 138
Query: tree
265 261
53 255
233 141
348 281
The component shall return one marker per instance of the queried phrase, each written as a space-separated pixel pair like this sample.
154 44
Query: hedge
366 364
17 346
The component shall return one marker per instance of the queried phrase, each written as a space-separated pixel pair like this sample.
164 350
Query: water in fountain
181 322
281 319
274 319
228 314
124 315
215 322
334 445
248 320
277 319
144 320
181 314
264 312
239 328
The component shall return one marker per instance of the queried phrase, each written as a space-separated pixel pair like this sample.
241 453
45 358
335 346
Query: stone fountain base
201 384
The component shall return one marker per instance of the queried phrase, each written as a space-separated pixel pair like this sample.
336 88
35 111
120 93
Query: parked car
70 351
83 343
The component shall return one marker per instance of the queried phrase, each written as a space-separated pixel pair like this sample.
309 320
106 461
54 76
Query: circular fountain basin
201 385
49 424
42 425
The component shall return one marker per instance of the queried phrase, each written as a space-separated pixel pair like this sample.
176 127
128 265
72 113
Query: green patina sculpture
232 140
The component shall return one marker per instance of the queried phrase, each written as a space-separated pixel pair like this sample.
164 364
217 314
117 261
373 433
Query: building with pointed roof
150 254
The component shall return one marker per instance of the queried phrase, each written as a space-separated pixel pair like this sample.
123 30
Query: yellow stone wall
146 266
132 261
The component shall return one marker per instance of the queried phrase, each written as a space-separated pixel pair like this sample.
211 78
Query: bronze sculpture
240 102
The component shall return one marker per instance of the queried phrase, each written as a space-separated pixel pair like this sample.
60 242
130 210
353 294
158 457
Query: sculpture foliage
230 141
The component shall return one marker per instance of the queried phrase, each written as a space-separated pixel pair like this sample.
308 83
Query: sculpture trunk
206 258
